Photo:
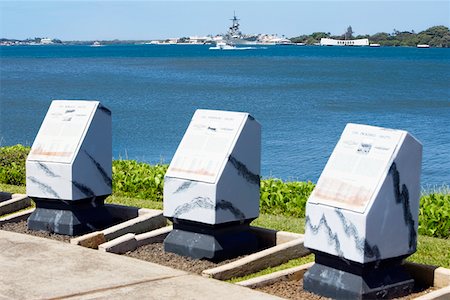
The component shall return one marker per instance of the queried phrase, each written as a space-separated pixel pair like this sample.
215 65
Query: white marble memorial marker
364 207
214 175
70 162
71 156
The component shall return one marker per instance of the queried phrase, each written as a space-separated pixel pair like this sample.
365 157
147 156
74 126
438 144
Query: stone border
17 202
130 242
17 216
140 220
252 263
431 276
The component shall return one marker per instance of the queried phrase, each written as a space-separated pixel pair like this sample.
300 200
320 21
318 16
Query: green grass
280 222
134 202
432 251
15 189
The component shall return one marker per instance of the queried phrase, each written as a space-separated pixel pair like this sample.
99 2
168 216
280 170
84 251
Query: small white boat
225 46
374 45
96 44
423 46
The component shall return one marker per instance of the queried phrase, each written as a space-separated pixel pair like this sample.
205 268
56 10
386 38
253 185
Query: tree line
436 36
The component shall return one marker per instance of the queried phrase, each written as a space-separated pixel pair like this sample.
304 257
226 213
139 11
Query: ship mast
234 29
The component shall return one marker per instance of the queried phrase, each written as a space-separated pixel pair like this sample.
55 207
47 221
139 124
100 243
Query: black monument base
70 217
212 242
333 277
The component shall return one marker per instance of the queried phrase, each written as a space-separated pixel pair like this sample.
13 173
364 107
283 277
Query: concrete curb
441 294
17 202
154 236
130 242
431 276
295 273
270 257
143 220
17 217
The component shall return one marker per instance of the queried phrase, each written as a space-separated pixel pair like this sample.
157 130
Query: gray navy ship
234 35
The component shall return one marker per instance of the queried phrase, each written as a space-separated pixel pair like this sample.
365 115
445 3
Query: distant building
46 41
333 42
199 39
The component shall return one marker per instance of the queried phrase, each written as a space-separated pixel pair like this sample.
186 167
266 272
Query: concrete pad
38 268
186 287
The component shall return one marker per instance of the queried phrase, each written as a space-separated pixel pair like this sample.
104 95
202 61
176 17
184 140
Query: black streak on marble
46 170
199 202
184 186
206 203
84 189
402 197
332 237
226 205
43 187
244 171
106 178
361 244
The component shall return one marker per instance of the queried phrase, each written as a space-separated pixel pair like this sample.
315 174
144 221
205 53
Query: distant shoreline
434 37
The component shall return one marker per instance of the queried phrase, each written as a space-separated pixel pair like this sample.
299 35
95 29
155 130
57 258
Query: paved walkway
38 268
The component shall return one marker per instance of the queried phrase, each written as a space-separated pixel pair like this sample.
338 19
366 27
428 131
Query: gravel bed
21 227
155 253
293 289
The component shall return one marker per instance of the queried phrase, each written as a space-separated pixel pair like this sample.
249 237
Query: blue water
302 96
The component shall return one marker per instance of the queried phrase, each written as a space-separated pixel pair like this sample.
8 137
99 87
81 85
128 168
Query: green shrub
434 215
12 164
138 180
286 198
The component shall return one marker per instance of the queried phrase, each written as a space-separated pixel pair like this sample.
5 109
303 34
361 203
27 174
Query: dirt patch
21 227
293 289
155 253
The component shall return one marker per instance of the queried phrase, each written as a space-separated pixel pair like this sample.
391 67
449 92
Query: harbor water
302 96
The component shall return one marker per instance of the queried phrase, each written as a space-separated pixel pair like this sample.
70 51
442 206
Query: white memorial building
333 42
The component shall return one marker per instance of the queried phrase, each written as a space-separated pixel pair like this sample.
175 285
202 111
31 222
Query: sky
147 20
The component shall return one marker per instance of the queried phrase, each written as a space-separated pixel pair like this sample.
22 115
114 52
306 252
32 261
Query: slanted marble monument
361 219
211 189
69 168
